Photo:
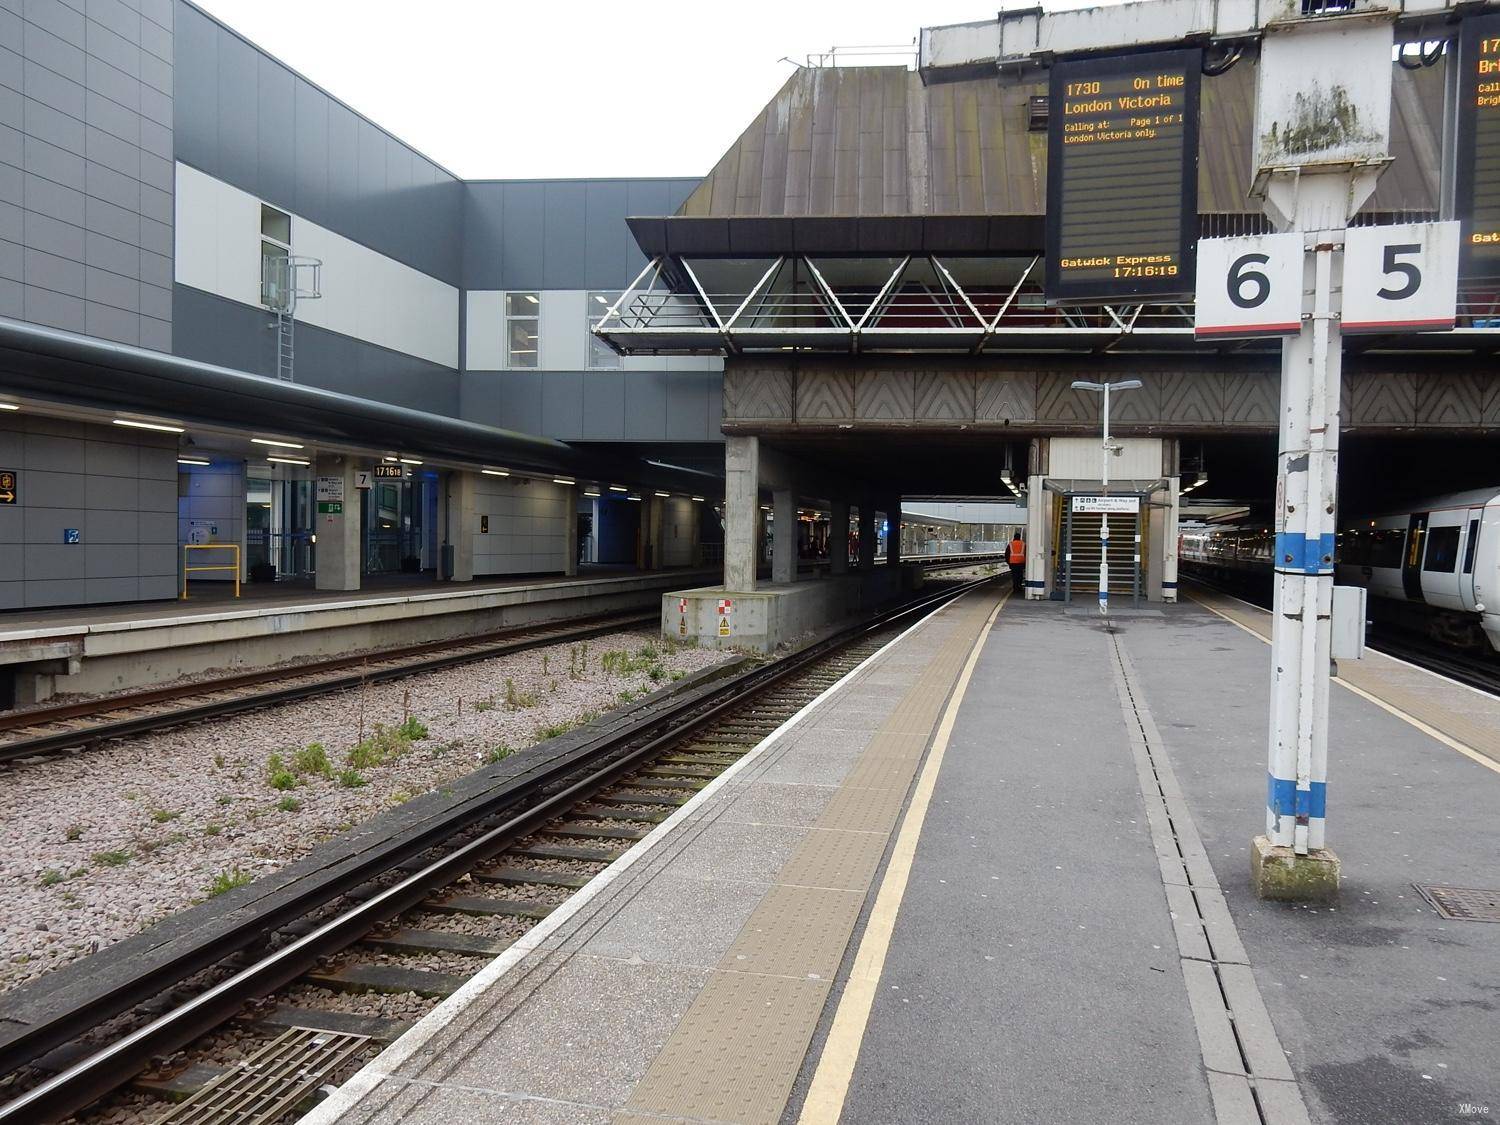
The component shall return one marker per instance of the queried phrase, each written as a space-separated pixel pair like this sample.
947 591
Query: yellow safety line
1427 729
830 1083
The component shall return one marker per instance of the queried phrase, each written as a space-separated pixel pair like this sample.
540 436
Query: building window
275 252
600 354
522 329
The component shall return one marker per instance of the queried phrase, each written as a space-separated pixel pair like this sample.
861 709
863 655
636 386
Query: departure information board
1122 177
1477 186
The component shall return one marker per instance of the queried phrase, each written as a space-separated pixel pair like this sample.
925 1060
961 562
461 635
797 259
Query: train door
1411 564
1469 550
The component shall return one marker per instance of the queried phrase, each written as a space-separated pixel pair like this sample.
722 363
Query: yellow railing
186 570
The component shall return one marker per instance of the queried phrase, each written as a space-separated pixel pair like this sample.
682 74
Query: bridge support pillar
741 511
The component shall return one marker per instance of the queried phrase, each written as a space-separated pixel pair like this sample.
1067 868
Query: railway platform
1000 873
94 649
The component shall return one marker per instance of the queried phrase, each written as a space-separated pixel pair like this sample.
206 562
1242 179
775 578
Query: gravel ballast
110 840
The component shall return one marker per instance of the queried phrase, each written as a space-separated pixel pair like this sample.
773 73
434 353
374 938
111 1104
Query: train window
1353 548
1442 550
1470 546
1385 547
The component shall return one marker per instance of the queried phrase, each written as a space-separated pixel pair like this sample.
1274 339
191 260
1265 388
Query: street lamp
1106 450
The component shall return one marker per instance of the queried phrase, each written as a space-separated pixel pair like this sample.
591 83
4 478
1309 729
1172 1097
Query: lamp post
1105 450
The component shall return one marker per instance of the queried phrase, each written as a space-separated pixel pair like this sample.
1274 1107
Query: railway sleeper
601 812
388 979
413 940
179 1085
706 773
667 783
521 875
382 1029
483 907
589 832
632 797
557 851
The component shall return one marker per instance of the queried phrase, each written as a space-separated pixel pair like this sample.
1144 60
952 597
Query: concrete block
1282 875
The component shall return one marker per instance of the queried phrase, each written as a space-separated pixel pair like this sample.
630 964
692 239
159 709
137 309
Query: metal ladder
280 291
285 351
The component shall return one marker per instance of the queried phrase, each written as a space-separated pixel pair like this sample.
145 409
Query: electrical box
1348 634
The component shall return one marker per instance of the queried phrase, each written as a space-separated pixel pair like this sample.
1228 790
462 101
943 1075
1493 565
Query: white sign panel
1400 278
1249 286
1108 504
330 489
362 479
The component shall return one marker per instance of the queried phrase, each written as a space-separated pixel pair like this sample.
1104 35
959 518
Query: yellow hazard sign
723 626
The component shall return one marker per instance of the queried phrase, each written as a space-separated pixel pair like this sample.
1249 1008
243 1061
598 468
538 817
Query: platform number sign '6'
1401 278
1249 286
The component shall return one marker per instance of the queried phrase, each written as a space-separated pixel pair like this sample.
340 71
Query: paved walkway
1003 876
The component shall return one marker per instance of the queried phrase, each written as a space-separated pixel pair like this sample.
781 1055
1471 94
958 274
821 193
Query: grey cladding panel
646 405
238 149
311 154
562 403
276 133
563 250
604 406
523 240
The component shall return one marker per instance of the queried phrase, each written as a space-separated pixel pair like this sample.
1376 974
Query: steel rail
107 1069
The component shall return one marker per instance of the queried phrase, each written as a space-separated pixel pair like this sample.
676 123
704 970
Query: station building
222 285
846 313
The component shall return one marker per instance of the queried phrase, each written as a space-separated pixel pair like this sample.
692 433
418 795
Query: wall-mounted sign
1111 505
362 480
1249 286
1122 176
72 535
390 472
484 525
330 488
1477 172
1401 278
10 490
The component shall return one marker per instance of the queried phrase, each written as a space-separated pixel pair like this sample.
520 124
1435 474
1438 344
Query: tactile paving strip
1462 904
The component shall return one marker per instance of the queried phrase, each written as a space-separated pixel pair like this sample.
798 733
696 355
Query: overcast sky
504 89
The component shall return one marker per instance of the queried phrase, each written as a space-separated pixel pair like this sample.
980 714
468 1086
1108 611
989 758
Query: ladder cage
286 279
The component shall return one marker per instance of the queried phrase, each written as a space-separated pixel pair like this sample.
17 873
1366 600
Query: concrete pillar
741 511
458 513
1039 568
893 532
338 531
838 538
570 531
784 536
866 535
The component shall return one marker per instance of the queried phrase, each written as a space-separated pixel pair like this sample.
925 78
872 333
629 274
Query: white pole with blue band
1306 491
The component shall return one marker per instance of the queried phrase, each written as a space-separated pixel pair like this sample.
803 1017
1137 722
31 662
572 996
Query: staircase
1124 556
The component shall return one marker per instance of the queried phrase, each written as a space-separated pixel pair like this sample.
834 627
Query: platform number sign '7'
1401 278
1249 286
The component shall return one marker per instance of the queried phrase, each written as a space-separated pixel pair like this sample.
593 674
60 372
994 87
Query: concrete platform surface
1023 900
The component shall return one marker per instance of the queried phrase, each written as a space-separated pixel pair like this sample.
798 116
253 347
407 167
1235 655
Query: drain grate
271 1082
1464 904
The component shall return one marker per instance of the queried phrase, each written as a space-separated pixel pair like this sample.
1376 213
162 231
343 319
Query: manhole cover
1462 903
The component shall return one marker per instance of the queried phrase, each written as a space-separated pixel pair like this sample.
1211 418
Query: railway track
1480 671
48 730
415 921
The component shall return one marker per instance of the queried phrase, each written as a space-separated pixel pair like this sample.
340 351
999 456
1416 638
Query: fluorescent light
562 480
192 461
408 460
389 460
495 472
665 495
10 406
532 298
697 499
618 488
273 441
591 492
635 498
164 427
287 461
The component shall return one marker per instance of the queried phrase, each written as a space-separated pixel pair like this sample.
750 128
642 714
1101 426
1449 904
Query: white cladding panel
1078 458
365 294
484 325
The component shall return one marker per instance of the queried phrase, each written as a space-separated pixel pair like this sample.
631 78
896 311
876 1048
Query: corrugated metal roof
875 141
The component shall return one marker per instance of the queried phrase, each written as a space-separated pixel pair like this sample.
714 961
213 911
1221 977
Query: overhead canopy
71 370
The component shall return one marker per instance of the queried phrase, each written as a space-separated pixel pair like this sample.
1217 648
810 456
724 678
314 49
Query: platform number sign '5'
1401 278
1249 286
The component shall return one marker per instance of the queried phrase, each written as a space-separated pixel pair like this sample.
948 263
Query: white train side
1439 559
